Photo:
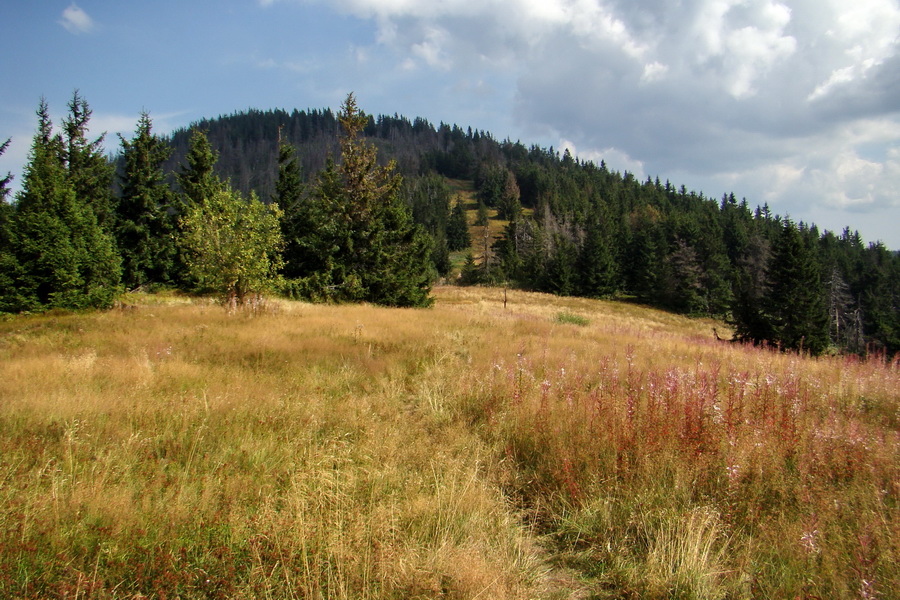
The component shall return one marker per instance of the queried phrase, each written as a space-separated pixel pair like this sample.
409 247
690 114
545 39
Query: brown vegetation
560 446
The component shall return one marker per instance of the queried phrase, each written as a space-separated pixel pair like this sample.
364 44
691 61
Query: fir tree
145 230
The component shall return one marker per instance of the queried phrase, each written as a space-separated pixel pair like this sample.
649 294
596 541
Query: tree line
380 224
84 228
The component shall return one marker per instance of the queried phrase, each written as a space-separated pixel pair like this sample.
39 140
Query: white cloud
75 20
791 102
613 157
653 72
431 48
865 32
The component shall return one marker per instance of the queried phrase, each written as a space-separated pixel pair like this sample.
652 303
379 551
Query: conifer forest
347 207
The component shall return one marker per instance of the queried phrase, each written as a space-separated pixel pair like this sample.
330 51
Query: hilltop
545 221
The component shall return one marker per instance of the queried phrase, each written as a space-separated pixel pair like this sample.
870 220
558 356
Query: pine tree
796 303
145 229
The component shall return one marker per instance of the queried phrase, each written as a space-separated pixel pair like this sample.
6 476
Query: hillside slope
499 445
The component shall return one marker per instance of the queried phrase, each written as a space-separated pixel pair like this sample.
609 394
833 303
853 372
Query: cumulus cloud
75 20
790 101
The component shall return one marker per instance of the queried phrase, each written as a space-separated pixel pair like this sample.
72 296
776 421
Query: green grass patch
569 318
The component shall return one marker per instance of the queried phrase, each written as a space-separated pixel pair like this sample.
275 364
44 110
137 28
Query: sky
793 103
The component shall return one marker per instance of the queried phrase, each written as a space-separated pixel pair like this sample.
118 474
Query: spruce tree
198 179
289 196
508 205
750 288
369 248
562 266
88 170
145 229
198 182
458 237
598 271
4 183
796 304
10 270
66 258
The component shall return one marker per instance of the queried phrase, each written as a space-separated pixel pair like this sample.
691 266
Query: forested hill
576 228
247 143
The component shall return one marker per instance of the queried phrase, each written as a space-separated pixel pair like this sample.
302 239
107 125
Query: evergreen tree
198 179
366 244
598 272
198 182
145 230
508 205
66 259
470 274
4 183
10 270
440 255
751 286
796 304
482 218
458 237
295 223
643 255
88 170
684 288
880 298
562 270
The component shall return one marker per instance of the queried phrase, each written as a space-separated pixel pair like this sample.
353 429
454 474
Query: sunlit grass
474 449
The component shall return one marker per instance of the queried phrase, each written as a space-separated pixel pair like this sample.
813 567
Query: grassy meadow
548 448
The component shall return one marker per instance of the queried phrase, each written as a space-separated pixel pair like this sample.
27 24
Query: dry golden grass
543 448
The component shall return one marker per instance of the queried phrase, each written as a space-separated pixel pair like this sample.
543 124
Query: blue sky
791 102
